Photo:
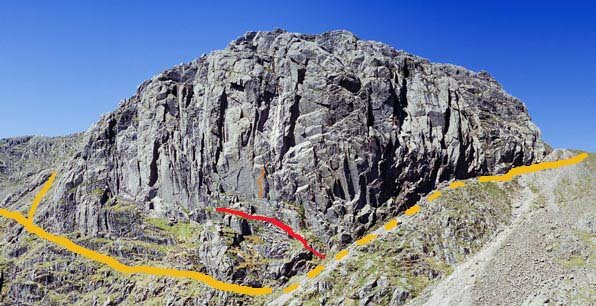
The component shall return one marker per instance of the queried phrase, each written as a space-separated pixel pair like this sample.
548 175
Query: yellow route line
341 254
366 239
120 267
434 196
390 225
315 272
456 184
40 194
412 210
291 288
533 168
113 263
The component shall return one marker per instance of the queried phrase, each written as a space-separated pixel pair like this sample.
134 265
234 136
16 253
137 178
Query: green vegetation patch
183 232
573 262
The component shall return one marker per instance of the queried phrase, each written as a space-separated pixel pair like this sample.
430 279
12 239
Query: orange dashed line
412 210
456 184
533 168
434 196
291 288
366 239
315 272
40 194
341 254
391 225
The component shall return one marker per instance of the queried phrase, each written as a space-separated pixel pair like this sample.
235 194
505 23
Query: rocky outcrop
335 124
328 133
23 158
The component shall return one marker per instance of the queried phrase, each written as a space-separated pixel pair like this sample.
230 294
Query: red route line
273 221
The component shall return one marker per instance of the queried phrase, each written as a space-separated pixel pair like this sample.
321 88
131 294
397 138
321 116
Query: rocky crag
328 133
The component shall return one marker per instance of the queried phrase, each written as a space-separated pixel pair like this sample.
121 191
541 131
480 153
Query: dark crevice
193 153
174 90
301 75
174 154
110 132
370 119
166 110
202 157
362 183
289 139
447 113
1 280
153 165
151 194
388 173
117 182
298 262
348 176
262 115
405 69
237 86
223 106
105 220
461 171
255 123
518 158
329 203
106 195
447 118
401 101
434 173
350 83
338 191
447 170
461 168
399 111
424 187
139 171
188 94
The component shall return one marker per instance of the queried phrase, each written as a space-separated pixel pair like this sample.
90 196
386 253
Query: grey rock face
333 123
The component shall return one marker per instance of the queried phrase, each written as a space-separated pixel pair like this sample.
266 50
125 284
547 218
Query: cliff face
329 122
329 133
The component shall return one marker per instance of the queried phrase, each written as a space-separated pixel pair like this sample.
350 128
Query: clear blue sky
63 63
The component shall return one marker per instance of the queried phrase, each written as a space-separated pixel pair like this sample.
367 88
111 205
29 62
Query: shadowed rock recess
338 132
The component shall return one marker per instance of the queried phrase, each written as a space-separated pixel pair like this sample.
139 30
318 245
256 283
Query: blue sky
63 63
